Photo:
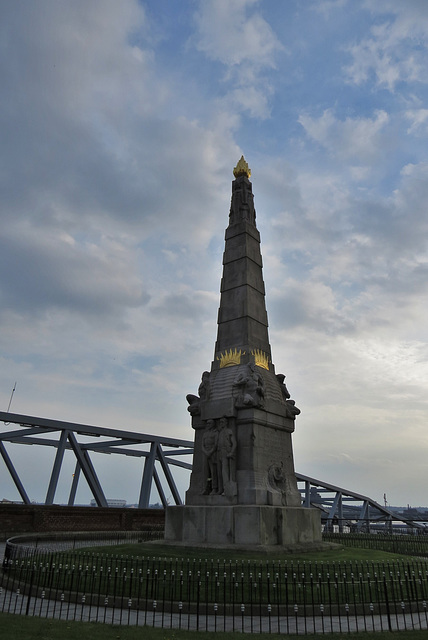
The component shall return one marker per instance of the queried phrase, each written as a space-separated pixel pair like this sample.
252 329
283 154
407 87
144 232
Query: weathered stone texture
242 526
243 488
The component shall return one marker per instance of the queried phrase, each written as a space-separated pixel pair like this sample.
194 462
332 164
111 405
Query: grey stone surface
242 526
244 490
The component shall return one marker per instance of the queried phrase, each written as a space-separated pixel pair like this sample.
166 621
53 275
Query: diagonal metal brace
88 470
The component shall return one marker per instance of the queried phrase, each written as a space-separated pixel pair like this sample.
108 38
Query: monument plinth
243 488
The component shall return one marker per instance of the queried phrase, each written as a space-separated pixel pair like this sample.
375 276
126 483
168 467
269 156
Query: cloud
99 179
347 324
418 118
346 284
358 139
121 125
308 304
396 48
327 7
54 271
96 139
234 36
238 36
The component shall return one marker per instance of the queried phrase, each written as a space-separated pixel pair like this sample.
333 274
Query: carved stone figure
226 448
194 407
276 477
290 406
204 387
292 410
277 481
285 393
250 386
209 448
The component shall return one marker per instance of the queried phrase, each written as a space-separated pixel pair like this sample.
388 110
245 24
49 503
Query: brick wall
17 518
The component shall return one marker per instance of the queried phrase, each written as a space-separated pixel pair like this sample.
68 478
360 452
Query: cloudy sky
121 123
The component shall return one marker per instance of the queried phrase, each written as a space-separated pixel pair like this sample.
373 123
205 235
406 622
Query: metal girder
336 503
146 483
106 448
150 473
159 487
56 468
168 475
180 452
364 516
13 435
323 487
88 430
88 472
336 507
110 443
74 485
82 439
13 473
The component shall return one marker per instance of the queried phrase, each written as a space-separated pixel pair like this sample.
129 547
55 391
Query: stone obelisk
243 489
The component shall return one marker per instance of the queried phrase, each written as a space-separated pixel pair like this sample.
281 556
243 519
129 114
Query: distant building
112 502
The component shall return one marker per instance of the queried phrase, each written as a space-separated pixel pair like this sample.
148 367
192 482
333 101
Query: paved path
15 602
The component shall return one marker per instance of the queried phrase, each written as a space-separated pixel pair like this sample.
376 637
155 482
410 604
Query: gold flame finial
242 168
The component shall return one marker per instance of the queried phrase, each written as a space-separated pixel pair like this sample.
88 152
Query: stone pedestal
243 526
263 466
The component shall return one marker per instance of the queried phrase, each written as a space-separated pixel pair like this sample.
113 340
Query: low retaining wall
17 518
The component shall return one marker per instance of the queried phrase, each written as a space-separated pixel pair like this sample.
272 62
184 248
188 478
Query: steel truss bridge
160 454
340 508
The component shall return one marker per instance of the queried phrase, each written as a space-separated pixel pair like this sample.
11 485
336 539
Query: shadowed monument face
243 416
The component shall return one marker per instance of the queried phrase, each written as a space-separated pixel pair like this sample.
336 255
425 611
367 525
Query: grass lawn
335 576
162 550
14 627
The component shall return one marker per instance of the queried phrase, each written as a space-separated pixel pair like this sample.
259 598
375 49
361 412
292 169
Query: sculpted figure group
218 439
219 447
248 391
249 388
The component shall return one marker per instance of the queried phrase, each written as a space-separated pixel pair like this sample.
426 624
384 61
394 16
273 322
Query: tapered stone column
243 488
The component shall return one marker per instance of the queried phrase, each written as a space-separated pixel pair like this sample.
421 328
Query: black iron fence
214 595
411 545
29 545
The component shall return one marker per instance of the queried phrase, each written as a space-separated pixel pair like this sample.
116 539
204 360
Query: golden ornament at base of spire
261 359
230 358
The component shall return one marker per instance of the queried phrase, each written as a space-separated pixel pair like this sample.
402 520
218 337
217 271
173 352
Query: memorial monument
243 489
